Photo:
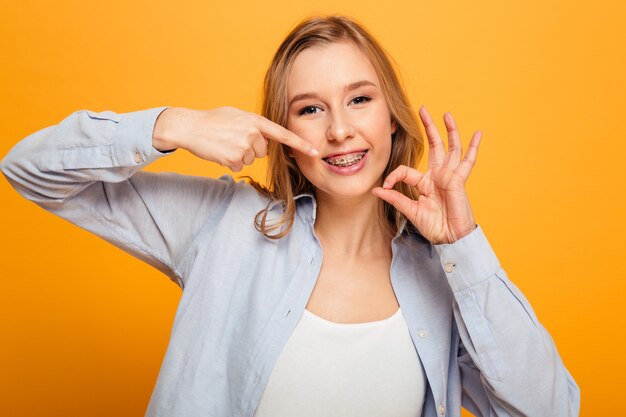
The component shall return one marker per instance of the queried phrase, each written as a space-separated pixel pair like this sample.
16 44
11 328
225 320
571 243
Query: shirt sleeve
87 170
508 361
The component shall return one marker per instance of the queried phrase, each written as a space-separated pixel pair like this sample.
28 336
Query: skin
337 120
442 213
354 284
226 135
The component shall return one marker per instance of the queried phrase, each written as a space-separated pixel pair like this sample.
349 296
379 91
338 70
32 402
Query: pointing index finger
277 132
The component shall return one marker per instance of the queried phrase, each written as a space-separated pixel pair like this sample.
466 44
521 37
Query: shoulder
243 193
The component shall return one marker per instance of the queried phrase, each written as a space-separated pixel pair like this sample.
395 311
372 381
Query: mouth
346 159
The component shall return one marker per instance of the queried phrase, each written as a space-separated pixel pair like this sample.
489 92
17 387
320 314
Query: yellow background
85 326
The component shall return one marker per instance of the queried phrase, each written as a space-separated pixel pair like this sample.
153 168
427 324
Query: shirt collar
307 203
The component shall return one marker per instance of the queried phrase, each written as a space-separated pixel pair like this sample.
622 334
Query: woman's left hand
442 213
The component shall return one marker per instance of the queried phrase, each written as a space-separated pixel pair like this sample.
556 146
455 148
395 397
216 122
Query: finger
236 167
277 132
404 174
465 167
455 150
260 147
404 204
436 150
249 157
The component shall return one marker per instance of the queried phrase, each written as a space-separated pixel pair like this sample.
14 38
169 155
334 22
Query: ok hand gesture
442 213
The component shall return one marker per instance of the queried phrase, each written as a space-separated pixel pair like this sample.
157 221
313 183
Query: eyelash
303 112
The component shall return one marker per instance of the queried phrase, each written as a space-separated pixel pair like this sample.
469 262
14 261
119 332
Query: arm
509 363
87 170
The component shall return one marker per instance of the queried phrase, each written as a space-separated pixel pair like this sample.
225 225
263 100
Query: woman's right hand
226 135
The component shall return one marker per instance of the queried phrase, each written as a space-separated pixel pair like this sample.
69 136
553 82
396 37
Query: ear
394 126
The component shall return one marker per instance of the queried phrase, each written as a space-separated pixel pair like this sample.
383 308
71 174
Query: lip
332 155
350 170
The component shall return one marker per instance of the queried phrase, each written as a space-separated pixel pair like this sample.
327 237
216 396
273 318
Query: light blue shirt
479 340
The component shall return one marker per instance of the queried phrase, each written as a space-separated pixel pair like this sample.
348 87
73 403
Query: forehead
331 66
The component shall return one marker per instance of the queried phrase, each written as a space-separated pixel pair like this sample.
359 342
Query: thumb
401 202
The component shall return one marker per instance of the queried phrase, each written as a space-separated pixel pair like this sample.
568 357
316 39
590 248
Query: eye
361 99
306 110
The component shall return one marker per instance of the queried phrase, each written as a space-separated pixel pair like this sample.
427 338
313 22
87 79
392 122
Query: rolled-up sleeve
88 170
509 363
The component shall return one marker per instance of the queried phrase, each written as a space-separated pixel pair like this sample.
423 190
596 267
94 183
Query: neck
350 227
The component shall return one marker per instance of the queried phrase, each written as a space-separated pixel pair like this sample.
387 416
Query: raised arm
508 361
87 169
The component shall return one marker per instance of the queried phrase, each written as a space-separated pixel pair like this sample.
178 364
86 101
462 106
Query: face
336 103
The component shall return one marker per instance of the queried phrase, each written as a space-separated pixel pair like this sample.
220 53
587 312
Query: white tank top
346 369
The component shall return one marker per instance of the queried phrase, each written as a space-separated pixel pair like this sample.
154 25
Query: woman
352 285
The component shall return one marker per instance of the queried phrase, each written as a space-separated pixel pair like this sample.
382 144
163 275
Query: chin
347 190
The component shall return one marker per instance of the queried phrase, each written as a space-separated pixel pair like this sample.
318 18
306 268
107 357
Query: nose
340 128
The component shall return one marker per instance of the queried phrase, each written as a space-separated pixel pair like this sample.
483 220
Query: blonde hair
284 178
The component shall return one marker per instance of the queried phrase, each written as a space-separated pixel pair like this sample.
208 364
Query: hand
442 213
226 135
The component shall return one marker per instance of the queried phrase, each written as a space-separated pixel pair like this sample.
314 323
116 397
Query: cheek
307 168
296 127
307 131
304 162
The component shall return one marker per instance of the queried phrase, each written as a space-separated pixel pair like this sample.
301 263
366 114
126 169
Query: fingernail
314 152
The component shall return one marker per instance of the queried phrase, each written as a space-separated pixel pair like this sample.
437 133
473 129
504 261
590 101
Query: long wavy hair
284 178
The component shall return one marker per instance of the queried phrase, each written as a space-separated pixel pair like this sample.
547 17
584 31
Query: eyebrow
347 88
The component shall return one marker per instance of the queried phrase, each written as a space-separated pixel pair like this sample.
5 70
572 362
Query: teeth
346 160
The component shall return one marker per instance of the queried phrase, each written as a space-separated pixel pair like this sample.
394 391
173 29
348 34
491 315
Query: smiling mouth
346 160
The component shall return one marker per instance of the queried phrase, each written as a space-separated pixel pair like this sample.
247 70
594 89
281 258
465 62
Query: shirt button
422 333
449 267
138 157
442 409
